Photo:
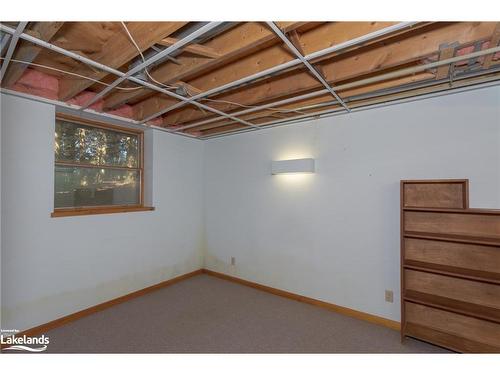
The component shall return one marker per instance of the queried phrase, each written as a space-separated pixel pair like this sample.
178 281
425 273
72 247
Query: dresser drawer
451 194
453 329
472 292
453 254
453 223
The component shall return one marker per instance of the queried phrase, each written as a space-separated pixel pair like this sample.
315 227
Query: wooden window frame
109 209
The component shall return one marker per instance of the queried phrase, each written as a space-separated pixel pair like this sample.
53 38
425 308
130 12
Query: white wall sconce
292 166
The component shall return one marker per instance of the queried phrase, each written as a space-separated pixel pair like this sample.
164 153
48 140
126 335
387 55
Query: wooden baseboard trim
43 328
392 324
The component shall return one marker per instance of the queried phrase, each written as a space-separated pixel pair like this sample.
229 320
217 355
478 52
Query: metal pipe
363 108
320 114
341 87
12 47
375 79
258 108
384 92
272 114
347 44
178 45
311 68
118 73
147 84
415 69
375 104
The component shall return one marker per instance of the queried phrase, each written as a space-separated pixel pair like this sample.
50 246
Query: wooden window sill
97 211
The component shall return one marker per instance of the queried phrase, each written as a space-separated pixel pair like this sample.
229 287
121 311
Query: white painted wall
334 235
52 267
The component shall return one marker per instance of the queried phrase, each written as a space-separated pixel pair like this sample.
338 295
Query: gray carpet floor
205 314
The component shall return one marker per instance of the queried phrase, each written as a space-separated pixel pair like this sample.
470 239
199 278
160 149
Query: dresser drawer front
486 334
486 225
442 195
475 257
469 291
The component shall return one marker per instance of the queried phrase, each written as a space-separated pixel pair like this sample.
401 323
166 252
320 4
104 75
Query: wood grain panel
447 340
450 267
473 224
442 195
474 292
453 305
470 328
476 257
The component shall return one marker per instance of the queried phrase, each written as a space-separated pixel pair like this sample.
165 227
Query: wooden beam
195 49
189 88
495 39
228 128
234 44
375 58
325 98
119 50
28 52
313 40
295 39
445 52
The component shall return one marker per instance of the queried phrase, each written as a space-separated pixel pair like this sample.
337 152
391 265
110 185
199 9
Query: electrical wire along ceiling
211 79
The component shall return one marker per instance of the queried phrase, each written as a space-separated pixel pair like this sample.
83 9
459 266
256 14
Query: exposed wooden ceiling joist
445 53
438 87
235 44
28 52
119 50
316 39
14 40
381 56
241 66
195 49
325 99
495 39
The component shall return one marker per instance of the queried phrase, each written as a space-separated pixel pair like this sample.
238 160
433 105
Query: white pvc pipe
337 111
363 82
416 69
311 56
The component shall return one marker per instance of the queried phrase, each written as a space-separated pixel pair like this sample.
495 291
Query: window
98 168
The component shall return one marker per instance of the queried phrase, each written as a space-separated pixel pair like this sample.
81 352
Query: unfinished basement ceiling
206 79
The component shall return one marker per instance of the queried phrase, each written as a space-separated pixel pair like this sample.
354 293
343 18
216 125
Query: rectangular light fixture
292 166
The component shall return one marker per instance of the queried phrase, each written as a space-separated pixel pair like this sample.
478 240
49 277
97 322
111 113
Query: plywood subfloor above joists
209 79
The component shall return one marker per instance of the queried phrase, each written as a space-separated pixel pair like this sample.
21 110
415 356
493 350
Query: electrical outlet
389 296
233 261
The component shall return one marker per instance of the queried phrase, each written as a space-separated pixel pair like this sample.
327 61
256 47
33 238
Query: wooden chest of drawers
450 267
